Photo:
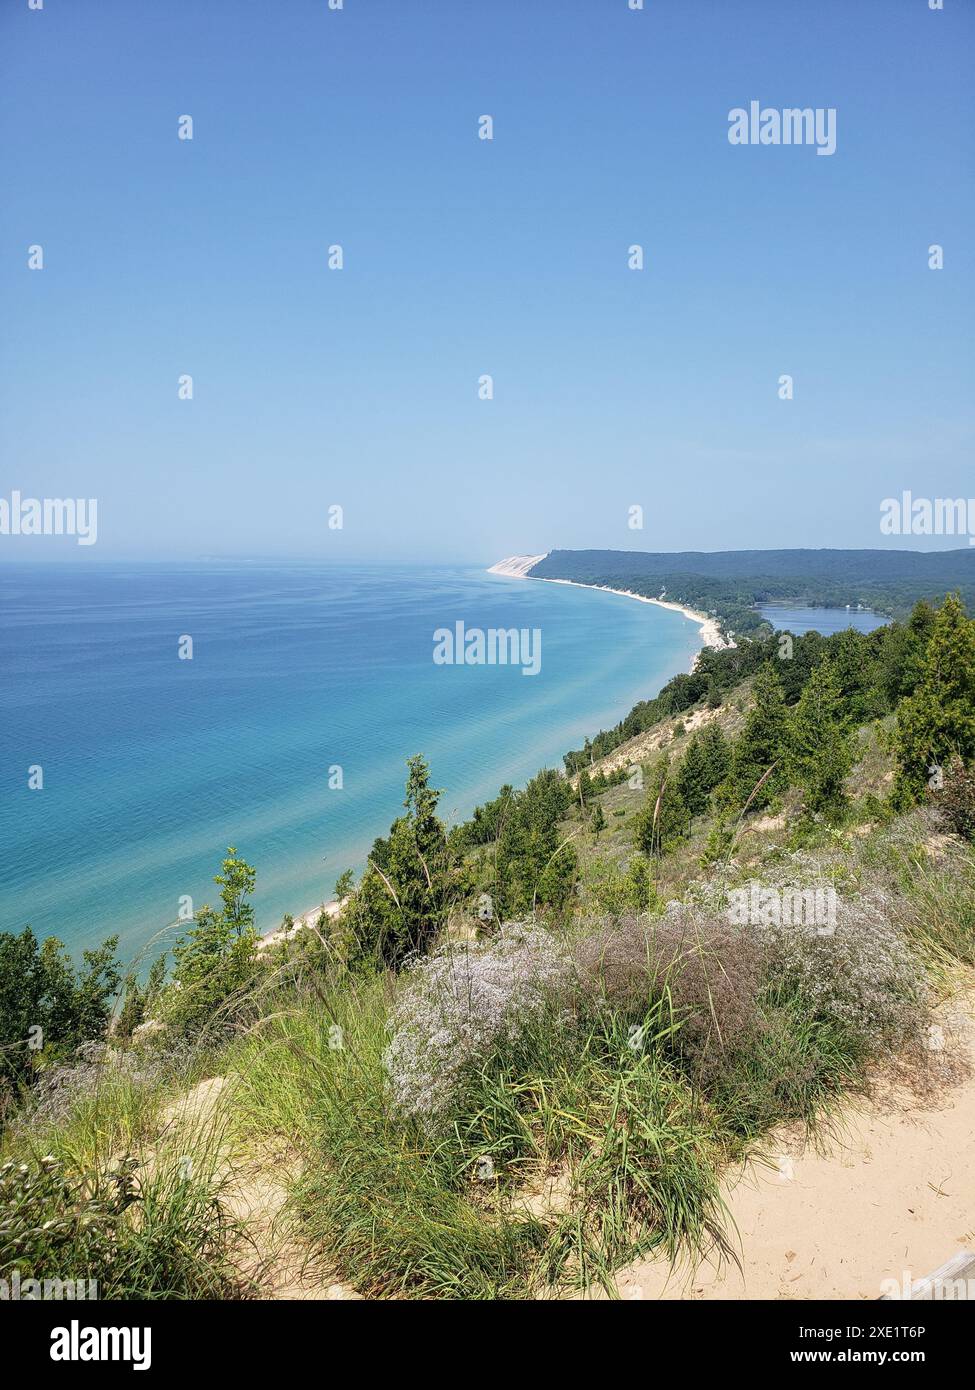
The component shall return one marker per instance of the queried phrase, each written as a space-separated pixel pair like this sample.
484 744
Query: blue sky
463 257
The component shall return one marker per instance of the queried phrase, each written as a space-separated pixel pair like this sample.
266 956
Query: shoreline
520 566
710 637
307 919
710 631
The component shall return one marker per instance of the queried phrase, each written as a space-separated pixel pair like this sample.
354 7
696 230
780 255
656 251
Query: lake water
824 620
152 765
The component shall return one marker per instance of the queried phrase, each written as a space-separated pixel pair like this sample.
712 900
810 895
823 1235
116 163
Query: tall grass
405 1212
103 1131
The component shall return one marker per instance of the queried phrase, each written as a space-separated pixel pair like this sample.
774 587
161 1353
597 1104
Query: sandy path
254 1191
894 1198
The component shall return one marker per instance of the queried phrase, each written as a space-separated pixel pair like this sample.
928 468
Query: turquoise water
152 765
824 620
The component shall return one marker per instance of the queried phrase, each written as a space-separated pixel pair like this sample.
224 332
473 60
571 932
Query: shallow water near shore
152 765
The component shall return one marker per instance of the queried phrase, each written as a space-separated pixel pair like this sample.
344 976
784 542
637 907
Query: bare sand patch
892 1197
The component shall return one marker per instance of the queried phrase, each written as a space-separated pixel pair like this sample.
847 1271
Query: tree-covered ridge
730 583
892 654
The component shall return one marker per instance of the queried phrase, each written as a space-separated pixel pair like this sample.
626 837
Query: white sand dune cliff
517 566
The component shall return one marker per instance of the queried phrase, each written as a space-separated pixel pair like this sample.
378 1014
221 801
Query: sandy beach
517 567
307 919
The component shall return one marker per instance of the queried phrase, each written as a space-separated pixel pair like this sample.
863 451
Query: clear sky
464 257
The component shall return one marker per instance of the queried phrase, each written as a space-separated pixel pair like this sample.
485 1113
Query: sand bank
891 1199
519 566
307 919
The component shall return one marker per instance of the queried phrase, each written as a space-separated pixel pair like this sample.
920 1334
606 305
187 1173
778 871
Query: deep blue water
152 765
824 620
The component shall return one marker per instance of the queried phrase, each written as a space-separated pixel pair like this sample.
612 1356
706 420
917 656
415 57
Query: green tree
402 901
717 755
139 1000
691 778
703 767
214 963
761 745
664 817
236 882
344 885
796 660
48 1007
535 865
598 821
821 746
901 661
937 722
855 675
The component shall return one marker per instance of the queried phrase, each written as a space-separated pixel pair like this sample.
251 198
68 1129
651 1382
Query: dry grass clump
861 973
60 1089
708 975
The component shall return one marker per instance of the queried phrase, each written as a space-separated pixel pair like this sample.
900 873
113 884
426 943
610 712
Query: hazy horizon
166 258
67 552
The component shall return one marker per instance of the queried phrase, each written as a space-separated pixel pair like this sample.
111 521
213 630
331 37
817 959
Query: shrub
708 974
861 974
214 964
166 1237
60 1089
457 1006
791 1066
619 888
46 1003
956 800
53 1227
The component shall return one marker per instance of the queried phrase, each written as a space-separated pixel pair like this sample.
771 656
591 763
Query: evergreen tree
138 1001
937 722
855 675
794 670
534 864
692 778
664 818
822 748
402 902
598 821
717 755
901 661
761 745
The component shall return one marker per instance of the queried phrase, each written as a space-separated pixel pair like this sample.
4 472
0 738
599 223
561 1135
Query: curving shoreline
710 631
520 567
516 568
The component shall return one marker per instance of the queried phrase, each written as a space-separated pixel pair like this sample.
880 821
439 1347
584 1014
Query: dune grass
106 1188
406 1212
